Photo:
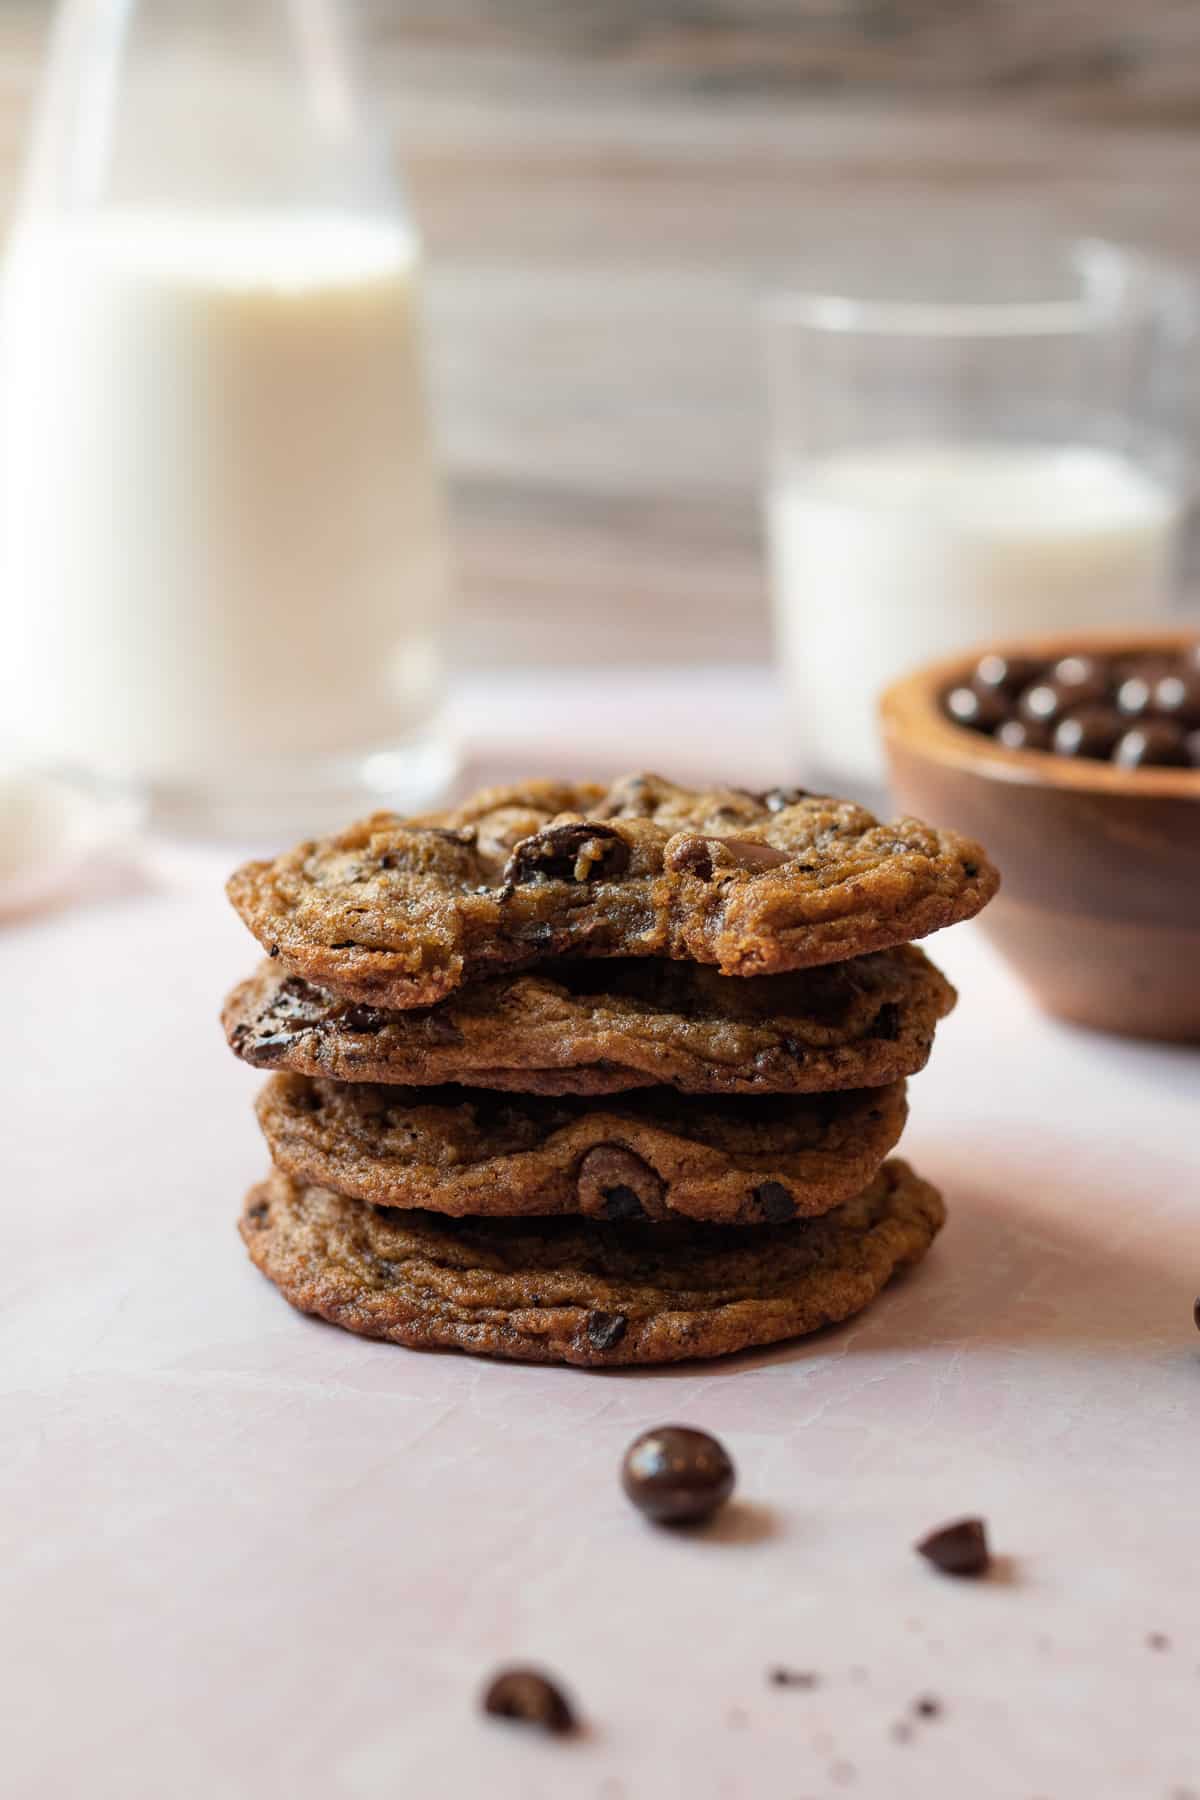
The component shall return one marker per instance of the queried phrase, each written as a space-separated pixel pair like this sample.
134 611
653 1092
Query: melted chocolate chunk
580 852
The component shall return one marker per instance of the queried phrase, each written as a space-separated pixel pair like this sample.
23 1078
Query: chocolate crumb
902 1731
531 1699
780 1676
958 1549
928 1706
1158 1640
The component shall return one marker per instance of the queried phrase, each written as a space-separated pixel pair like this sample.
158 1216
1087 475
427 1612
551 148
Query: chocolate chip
1081 679
622 1204
1043 703
613 1182
779 799
1155 743
257 1214
578 852
531 1699
692 856
364 1019
1134 696
887 1022
1177 697
958 1549
1024 734
1090 731
978 711
709 856
274 951
775 1202
1005 674
676 1475
928 1706
792 1678
605 1330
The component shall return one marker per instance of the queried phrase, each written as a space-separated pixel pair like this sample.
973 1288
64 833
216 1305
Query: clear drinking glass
224 574
965 447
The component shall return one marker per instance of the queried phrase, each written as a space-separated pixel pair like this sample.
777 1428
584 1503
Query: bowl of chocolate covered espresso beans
1077 761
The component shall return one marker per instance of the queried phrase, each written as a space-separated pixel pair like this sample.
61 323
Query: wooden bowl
1099 908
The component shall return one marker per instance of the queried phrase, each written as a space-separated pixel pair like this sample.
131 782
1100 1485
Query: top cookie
400 912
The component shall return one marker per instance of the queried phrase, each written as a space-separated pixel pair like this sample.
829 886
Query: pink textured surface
245 1555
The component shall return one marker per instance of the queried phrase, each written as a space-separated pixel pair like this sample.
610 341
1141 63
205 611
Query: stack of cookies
596 1076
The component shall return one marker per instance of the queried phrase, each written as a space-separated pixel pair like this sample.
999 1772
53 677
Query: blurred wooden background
605 186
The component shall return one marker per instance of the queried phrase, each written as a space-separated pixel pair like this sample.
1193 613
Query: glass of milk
222 559
965 445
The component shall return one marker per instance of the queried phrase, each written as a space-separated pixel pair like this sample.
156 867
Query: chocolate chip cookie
577 1292
606 1026
401 912
651 1155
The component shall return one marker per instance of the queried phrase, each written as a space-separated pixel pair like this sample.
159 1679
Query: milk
220 535
884 558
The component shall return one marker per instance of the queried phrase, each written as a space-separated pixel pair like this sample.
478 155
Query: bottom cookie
574 1291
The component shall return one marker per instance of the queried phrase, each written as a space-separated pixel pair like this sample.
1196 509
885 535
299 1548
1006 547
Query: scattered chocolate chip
980 711
958 1549
927 1706
605 1330
1158 1640
274 951
775 1202
577 852
1155 743
1091 731
676 1475
1024 734
257 1214
531 1699
783 1677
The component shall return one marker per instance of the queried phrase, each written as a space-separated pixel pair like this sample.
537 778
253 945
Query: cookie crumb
927 1706
1158 1640
902 1732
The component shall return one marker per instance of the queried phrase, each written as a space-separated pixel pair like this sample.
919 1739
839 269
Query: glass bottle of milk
221 542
